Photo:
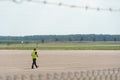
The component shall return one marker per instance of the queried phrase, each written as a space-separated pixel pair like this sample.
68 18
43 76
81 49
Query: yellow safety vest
34 56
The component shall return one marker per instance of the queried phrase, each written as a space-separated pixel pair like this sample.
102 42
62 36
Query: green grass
64 46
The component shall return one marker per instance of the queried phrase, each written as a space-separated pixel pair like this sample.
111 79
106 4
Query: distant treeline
76 37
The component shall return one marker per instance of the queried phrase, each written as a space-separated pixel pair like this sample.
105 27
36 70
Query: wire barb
69 5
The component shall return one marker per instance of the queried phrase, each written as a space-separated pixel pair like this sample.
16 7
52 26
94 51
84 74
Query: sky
35 18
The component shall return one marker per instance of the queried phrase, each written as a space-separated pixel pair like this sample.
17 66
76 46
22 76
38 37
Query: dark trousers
34 63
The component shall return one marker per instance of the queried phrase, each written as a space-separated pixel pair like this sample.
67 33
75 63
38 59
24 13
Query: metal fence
105 74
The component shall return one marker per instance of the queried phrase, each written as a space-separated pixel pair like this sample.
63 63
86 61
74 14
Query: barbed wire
103 74
68 5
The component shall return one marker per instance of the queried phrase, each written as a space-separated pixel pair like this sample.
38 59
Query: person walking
34 57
